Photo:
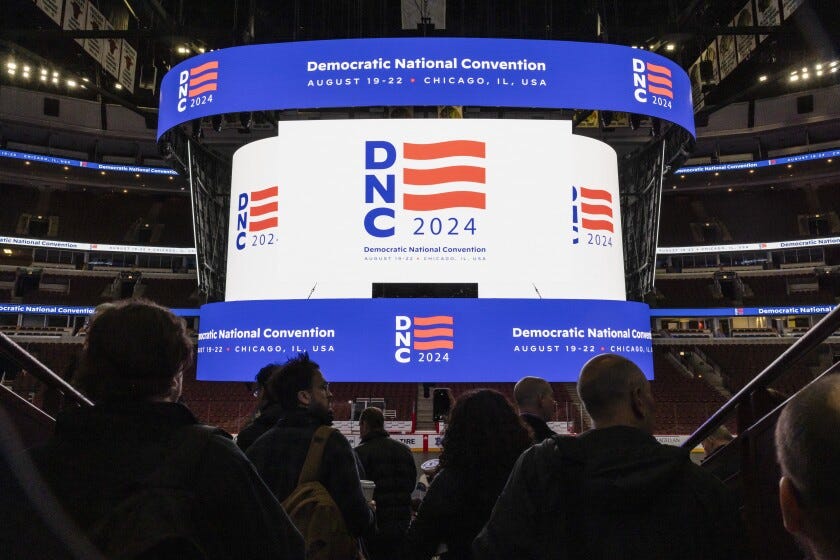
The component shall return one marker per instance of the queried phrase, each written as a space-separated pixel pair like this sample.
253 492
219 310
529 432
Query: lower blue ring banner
422 340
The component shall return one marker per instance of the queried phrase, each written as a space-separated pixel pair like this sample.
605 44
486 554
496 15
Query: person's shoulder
219 444
395 444
337 442
262 444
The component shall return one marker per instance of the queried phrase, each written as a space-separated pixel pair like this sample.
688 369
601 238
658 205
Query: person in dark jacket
280 453
808 451
483 439
613 492
535 401
390 465
100 457
270 410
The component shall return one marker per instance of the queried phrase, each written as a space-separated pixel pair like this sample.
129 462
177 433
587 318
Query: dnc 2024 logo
592 217
652 83
196 85
431 338
434 177
257 215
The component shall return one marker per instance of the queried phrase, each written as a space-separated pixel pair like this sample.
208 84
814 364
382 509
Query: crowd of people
137 476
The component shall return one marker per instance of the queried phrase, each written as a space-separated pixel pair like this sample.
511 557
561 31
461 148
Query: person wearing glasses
279 454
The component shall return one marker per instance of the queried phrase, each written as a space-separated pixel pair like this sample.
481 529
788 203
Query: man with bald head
535 401
613 491
809 454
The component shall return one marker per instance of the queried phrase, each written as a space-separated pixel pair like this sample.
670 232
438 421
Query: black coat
279 456
452 513
538 426
390 465
610 494
261 424
97 453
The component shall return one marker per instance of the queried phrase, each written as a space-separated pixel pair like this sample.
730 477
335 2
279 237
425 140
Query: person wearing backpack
311 467
136 473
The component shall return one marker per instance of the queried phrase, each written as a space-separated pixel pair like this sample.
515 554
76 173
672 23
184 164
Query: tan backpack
315 513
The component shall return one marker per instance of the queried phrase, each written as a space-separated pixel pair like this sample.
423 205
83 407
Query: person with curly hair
483 440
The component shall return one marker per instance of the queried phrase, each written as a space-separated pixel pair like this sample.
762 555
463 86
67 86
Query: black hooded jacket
279 456
610 494
98 455
390 465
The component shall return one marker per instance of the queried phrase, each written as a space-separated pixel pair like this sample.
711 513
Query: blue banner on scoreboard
771 311
427 71
422 340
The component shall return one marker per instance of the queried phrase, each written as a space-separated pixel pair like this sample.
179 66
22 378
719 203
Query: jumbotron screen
326 214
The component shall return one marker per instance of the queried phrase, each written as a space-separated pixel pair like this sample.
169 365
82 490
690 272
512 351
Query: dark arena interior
729 233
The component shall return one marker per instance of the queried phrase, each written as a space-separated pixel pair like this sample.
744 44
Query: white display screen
523 209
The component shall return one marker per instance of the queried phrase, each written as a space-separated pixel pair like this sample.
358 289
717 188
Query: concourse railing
825 328
42 373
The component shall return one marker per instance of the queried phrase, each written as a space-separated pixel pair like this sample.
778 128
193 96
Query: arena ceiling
164 32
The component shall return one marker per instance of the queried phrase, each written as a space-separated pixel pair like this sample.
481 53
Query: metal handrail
44 374
810 340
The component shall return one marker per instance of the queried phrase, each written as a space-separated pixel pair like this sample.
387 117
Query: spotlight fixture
762 78
670 47
118 85
245 120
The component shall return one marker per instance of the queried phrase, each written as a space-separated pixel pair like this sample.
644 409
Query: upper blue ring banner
426 71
